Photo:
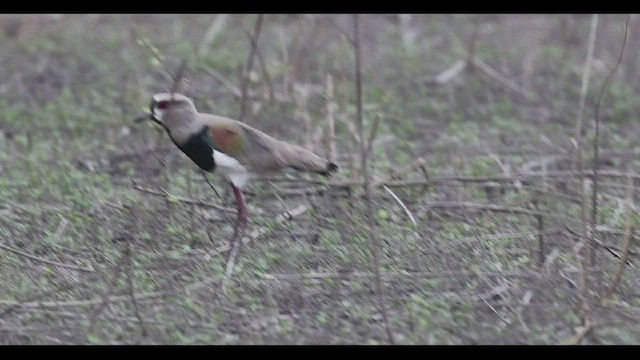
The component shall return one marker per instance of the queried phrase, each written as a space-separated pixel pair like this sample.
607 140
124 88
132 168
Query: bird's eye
162 104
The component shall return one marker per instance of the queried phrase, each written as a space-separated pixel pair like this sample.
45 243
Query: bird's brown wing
259 151
250 148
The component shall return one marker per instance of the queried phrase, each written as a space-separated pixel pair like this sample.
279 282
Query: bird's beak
143 117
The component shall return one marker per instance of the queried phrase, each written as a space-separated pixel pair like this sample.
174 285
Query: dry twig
581 332
596 146
214 29
106 297
511 85
249 66
331 127
129 268
373 132
251 237
581 251
627 242
404 207
369 201
86 302
49 262
182 199
263 67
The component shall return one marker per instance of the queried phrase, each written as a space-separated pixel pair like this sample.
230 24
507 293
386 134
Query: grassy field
110 235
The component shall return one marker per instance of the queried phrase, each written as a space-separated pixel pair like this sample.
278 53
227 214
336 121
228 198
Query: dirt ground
481 134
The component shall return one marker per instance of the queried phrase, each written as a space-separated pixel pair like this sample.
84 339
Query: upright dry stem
582 249
363 153
249 66
596 147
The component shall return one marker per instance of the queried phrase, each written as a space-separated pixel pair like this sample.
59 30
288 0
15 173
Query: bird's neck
182 127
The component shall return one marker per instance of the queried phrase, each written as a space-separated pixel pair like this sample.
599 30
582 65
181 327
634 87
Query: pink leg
241 223
243 214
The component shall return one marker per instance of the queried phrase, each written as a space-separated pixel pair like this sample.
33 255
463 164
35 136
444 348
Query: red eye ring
162 104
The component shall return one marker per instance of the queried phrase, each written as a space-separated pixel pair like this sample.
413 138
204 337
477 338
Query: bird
233 149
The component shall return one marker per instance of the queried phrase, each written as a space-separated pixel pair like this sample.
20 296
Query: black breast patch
198 148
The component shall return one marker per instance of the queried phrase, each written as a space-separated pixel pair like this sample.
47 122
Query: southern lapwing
229 147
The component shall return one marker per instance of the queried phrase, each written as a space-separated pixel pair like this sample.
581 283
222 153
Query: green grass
70 153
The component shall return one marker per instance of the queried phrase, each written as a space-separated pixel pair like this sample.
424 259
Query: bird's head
167 106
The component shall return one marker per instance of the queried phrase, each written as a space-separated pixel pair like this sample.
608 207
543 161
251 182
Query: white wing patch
231 169
158 114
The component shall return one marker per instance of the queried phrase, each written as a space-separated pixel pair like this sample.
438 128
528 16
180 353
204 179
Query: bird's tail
302 159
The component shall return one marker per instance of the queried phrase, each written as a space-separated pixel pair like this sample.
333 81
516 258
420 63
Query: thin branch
596 146
289 215
190 193
86 302
50 262
373 132
540 224
204 174
239 230
129 270
510 84
177 78
581 257
300 51
369 202
300 100
61 227
498 181
214 29
449 73
182 199
597 243
143 41
395 276
263 67
473 40
404 207
249 66
450 245
178 83
627 241
582 332
586 75
119 319
490 207
235 90
34 298
106 297
412 167
331 127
